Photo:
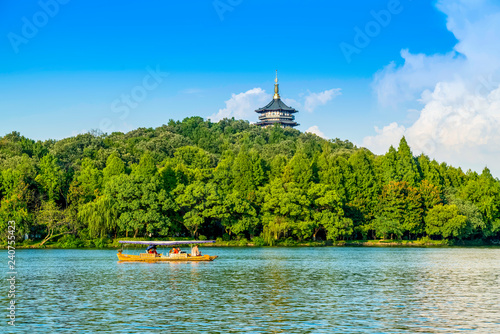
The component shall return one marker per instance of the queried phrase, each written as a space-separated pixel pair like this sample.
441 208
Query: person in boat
175 250
152 249
195 251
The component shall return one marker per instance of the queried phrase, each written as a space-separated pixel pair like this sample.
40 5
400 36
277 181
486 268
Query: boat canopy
167 243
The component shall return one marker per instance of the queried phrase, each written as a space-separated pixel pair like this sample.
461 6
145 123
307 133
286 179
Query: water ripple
262 290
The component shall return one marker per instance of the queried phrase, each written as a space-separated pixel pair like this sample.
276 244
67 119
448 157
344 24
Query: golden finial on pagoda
276 87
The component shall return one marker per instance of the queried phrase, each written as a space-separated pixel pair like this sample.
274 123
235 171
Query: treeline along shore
237 183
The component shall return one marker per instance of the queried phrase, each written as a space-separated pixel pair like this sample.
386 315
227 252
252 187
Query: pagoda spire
276 112
276 88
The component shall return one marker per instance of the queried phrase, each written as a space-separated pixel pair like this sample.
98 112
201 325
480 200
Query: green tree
402 203
485 194
242 173
100 215
430 194
198 203
13 208
277 167
50 177
366 190
338 227
284 208
142 206
146 168
326 212
475 219
446 221
301 169
55 221
90 179
114 167
385 226
388 166
223 173
239 215
406 166
259 169
334 170
430 170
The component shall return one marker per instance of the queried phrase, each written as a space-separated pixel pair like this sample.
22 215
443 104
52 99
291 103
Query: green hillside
234 181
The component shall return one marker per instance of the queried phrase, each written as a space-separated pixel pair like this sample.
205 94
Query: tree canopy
234 180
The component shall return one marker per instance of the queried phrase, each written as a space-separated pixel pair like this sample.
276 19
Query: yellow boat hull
162 258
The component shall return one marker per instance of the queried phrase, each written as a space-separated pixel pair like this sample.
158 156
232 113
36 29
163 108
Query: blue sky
68 66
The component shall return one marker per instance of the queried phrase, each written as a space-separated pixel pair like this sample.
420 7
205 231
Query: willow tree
100 215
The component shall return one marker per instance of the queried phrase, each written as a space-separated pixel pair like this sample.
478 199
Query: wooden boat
179 257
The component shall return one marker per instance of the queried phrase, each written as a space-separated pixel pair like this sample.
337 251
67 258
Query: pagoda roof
276 104
270 122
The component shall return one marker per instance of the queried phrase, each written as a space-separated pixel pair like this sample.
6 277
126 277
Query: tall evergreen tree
243 172
388 166
430 170
406 166
301 169
366 190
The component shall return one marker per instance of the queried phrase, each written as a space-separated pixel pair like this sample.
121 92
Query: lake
261 290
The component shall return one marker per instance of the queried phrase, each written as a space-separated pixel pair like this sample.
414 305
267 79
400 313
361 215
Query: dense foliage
234 180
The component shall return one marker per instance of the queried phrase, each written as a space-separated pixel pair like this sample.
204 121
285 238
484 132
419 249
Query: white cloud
395 85
387 136
460 91
315 129
243 105
314 100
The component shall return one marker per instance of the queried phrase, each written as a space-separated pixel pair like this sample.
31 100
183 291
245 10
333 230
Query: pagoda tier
277 105
276 112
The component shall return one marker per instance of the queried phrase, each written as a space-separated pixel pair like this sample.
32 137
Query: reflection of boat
158 257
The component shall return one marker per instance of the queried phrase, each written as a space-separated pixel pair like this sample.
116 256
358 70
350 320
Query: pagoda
276 112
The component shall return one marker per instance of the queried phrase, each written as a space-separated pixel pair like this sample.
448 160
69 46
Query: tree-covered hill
235 181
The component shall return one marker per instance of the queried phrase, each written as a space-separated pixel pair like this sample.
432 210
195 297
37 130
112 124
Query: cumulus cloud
460 91
394 85
315 129
387 136
243 105
314 100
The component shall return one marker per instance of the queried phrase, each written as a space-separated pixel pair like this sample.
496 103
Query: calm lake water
261 290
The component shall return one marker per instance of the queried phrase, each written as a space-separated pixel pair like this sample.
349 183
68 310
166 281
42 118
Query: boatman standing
195 251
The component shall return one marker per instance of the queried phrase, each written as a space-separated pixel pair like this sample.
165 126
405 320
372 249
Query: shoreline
351 243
